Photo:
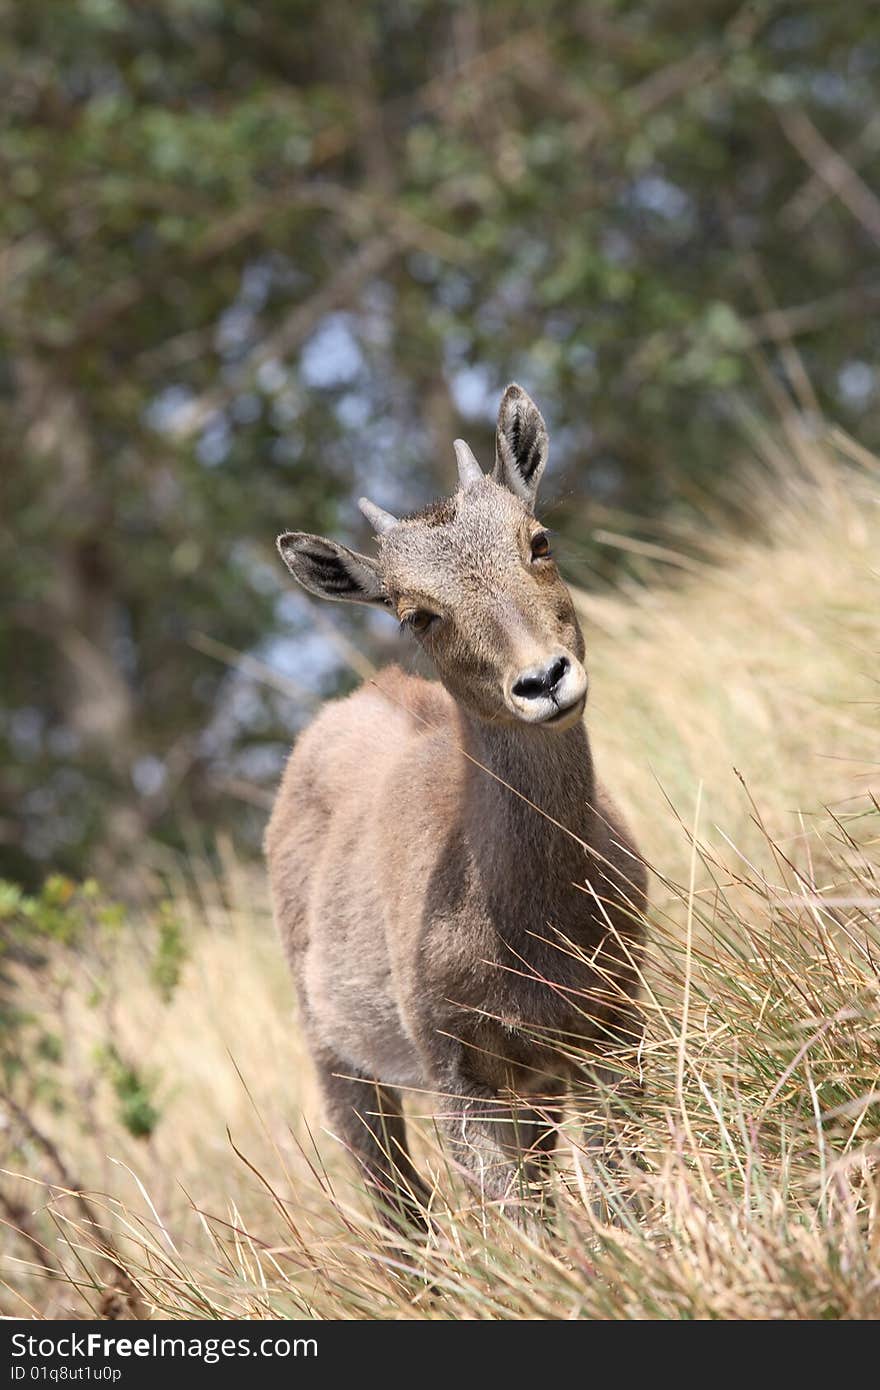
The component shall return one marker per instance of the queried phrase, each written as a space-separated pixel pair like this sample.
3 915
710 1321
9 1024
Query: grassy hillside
734 709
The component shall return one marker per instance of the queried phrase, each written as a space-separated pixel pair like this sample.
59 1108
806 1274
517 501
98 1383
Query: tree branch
293 331
814 193
831 167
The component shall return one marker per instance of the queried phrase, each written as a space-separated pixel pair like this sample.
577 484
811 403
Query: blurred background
258 259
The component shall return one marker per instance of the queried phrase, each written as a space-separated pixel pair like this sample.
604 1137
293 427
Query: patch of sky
64 742
256 282
286 449
856 382
304 658
242 707
514 291
25 728
246 408
56 814
148 775
617 247
260 762
235 331
560 326
582 357
831 89
353 410
377 453
123 645
456 349
214 442
272 376
262 576
331 356
654 193
864 59
40 801
454 291
376 321
793 31
167 410
475 392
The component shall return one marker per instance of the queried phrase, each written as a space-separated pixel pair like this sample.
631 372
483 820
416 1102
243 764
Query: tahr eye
541 546
419 621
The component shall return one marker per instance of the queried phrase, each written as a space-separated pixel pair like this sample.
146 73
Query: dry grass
735 711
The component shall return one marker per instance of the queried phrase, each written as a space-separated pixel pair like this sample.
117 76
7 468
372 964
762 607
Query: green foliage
56 944
59 918
258 256
138 1111
59 912
170 952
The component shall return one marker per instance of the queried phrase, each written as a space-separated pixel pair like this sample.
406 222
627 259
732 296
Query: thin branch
340 289
831 167
772 325
328 144
670 81
814 192
804 318
250 666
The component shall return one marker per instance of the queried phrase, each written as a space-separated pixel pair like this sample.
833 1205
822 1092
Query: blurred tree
253 253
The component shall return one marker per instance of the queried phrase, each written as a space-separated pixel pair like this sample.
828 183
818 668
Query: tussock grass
734 711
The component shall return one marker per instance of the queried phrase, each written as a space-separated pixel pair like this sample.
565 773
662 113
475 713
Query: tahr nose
539 681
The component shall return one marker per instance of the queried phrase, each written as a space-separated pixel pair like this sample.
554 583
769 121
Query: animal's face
474 579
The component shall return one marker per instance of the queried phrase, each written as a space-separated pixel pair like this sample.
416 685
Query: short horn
469 471
381 521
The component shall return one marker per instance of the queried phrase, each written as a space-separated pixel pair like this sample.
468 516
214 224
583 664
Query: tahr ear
521 444
331 570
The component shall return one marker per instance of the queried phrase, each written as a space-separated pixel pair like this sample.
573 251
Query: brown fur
431 847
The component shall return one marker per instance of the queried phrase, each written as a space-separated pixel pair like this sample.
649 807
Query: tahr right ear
331 570
521 445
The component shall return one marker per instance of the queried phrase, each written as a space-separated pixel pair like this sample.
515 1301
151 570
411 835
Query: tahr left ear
331 570
521 444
